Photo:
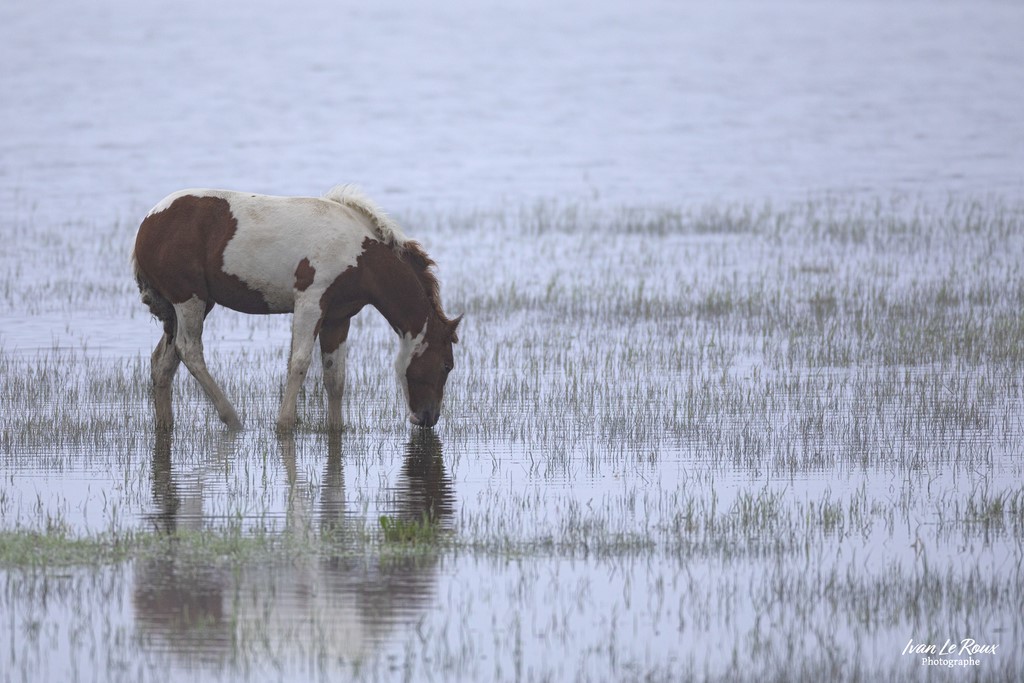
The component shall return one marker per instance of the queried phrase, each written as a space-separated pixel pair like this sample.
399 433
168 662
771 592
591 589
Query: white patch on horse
275 233
409 347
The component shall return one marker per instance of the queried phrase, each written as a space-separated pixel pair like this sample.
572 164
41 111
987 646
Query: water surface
738 395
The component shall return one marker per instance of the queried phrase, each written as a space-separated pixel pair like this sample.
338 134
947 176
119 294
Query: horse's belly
250 297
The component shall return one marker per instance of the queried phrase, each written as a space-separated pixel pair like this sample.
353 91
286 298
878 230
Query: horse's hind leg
188 341
332 351
164 364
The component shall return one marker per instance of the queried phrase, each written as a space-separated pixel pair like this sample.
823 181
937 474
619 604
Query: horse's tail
158 304
387 229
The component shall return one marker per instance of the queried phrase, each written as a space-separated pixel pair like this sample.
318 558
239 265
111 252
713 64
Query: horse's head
423 364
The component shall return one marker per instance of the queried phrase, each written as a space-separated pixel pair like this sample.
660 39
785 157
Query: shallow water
764 422
472 104
770 464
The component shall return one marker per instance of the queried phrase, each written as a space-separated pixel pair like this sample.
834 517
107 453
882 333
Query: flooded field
738 443
740 391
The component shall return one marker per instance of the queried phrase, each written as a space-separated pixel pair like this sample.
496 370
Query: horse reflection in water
338 605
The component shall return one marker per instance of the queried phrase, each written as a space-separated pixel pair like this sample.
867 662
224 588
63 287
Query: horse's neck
397 293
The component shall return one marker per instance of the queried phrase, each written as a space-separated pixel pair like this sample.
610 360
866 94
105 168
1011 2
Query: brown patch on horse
304 274
372 281
180 254
350 291
332 335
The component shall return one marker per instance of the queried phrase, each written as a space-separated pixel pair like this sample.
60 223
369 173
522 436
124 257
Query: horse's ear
453 327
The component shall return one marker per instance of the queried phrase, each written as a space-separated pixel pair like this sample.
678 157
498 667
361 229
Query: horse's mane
391 234
413 254
353 197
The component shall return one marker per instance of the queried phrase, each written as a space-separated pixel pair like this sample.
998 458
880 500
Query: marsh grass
56 548
416 531
748 429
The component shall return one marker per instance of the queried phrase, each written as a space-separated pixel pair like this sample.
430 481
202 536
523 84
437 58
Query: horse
322 259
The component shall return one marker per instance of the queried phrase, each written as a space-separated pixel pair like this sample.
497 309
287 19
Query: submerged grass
744 428
758 519
28 549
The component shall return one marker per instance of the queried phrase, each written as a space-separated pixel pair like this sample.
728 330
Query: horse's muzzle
424 418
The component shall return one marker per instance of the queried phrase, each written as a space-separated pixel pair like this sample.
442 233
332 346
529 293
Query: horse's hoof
233 423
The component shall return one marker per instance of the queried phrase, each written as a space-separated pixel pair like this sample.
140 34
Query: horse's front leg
333 335
304 323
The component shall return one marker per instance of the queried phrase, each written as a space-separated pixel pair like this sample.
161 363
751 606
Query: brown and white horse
321 259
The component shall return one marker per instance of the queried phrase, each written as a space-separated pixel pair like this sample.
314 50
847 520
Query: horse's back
253 253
